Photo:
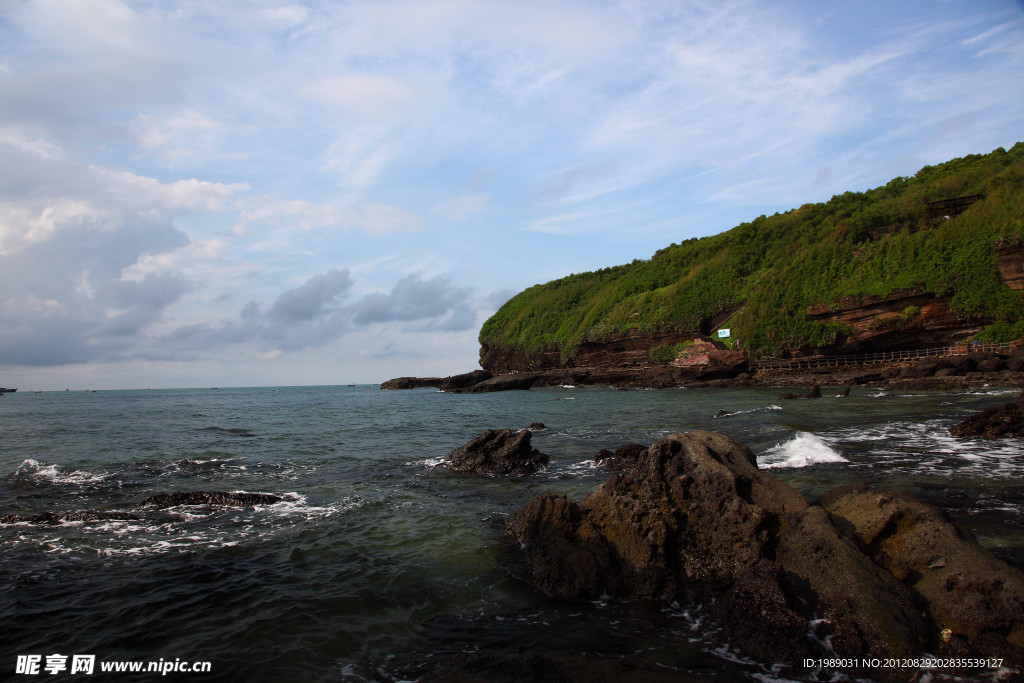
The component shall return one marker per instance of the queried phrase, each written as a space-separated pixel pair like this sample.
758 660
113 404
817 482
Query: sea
380 562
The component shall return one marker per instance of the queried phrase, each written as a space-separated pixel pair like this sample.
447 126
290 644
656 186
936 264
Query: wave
33 473
762 409
803 450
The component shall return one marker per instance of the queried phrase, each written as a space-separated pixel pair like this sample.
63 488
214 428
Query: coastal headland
918 283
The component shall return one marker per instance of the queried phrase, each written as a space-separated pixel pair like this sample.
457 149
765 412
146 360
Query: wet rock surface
159 502
168 500
695 519
497 451
1004 421
815 392
623 457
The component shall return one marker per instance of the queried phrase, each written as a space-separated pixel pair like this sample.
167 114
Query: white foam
36 471
803 450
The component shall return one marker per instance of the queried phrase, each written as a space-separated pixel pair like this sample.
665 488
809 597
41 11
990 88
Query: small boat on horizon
4 390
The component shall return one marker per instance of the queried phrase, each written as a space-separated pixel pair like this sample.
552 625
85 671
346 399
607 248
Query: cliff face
632 350
1011 266
903 320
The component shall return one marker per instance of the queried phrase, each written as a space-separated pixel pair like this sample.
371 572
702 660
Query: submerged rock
168 500
1006 420
497 452
159 502
53 519
694 517
815 392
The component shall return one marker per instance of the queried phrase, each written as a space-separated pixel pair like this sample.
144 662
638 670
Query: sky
253 193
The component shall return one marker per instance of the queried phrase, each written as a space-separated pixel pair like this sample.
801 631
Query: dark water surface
380 560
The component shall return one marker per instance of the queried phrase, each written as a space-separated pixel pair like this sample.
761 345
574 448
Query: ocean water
380 561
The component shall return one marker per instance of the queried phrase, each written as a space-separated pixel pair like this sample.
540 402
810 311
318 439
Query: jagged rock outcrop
623 457
1004 421
695 517
497 451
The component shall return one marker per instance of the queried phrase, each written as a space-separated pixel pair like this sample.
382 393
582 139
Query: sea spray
803 450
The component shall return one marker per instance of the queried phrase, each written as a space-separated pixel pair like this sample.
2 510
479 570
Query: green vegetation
857 243
666 353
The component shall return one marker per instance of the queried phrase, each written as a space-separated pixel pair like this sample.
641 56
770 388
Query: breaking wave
803 450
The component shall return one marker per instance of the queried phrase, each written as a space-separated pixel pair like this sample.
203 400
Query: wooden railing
880 357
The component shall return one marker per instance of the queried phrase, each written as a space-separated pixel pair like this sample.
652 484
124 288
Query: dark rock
870 612
694 517
467 379
635 537
815 392
537 426
519 382
168 500
1016 361
411 383
993 364
977 358
1005 421
53 519
757 612
722 413
622 458
844 393
959 364
967 590
946 372
497 452
159 501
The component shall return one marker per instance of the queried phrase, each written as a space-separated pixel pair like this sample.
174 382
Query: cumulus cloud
312 299
437 304
75 241
317 312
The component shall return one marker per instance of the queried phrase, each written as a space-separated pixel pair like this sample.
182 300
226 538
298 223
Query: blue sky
242 193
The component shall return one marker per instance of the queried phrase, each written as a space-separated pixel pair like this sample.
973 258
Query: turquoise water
380 560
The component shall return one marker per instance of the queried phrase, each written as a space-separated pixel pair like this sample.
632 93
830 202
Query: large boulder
694 517
497 451
1006 420
971 594
685 514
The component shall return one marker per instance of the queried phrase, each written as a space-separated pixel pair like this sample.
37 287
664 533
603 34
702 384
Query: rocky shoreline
948 373
866 575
